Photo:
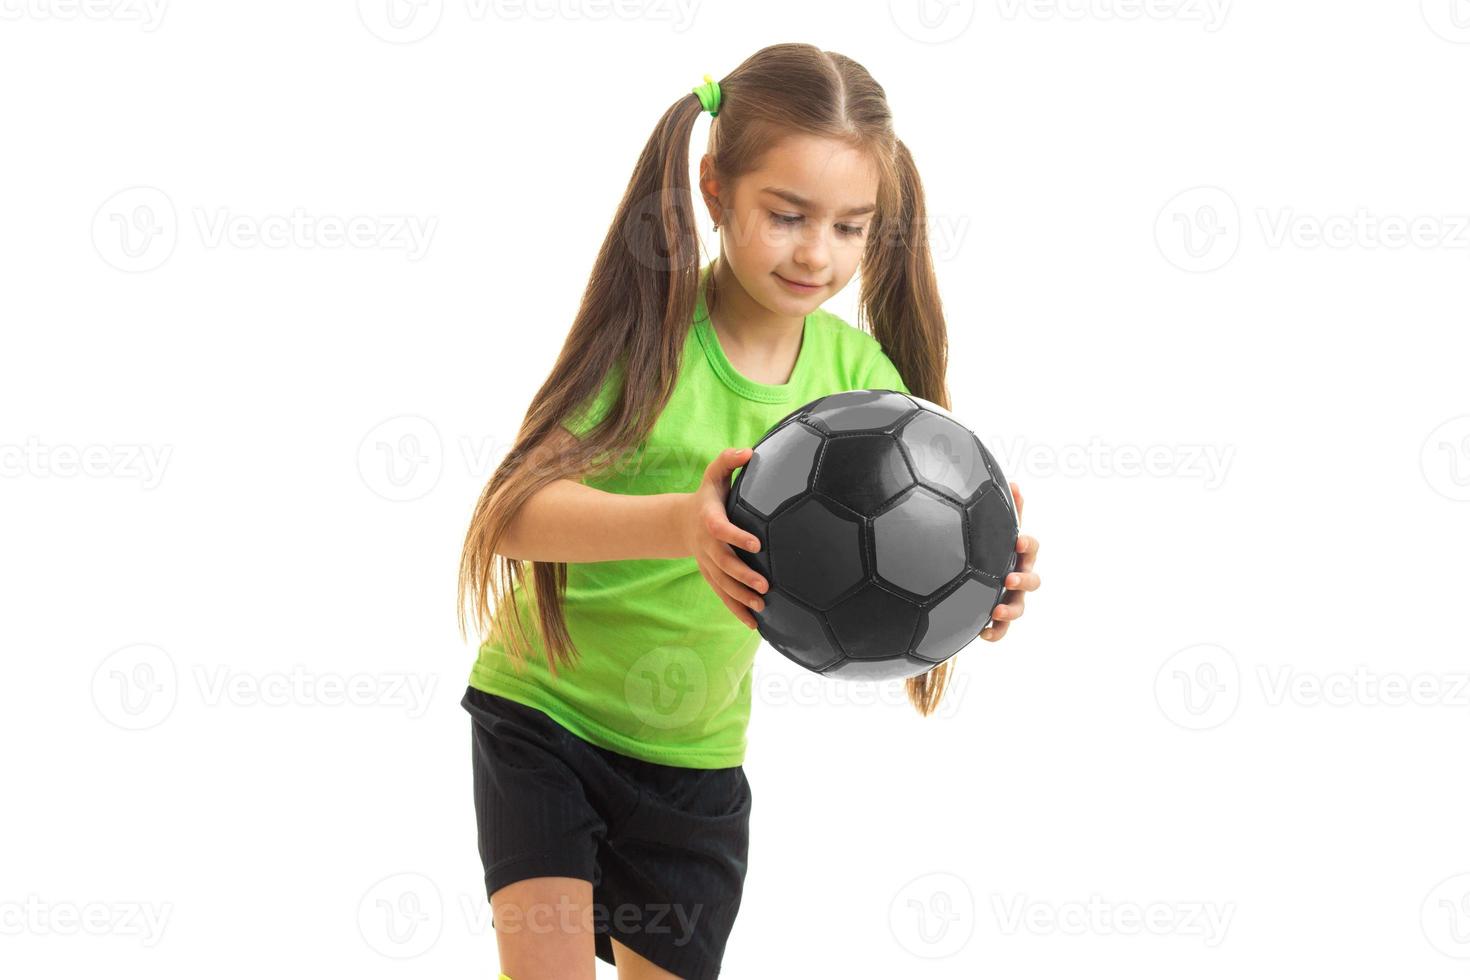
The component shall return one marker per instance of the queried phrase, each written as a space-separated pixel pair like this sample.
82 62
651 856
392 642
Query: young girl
610 701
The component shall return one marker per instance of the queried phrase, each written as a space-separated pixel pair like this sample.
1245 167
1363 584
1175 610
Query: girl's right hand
708 535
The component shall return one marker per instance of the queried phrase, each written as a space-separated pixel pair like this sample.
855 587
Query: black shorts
664 846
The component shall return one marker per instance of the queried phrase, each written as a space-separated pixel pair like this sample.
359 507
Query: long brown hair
640 299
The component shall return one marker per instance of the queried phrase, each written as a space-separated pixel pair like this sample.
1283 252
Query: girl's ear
710 189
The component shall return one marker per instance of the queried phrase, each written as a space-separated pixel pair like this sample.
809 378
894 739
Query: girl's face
792 232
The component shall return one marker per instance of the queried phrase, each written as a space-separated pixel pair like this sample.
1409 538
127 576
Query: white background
1229 239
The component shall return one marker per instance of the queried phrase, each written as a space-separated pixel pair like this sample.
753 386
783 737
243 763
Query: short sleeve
881 373
585 418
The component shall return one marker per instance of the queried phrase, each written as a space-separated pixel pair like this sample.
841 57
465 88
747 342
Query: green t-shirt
664 673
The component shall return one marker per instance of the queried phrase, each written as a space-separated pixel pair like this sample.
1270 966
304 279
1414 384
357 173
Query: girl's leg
634 966
543 927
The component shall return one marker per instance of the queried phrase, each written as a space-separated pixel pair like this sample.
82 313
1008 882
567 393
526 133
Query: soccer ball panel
956 620
779 468
992 534
946 455
920 542
874 624
796 632
879 670
862 472
816 553
850 411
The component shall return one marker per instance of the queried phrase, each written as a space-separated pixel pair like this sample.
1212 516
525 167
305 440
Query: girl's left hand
1013 602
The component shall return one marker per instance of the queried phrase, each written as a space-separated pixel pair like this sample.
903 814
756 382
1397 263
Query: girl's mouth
796 287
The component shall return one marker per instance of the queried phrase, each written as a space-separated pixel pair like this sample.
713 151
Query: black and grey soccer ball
887 530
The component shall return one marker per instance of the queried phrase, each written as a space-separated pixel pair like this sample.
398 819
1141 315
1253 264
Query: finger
1023 581
1028 548
993 633
740 571
727 462
737 591
1020 501
721 529
1008 611
736 609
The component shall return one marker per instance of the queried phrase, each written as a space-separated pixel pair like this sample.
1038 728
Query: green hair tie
709 95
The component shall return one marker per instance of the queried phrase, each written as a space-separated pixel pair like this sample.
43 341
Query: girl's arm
569 521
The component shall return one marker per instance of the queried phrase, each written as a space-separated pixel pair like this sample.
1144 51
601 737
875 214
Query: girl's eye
851 231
